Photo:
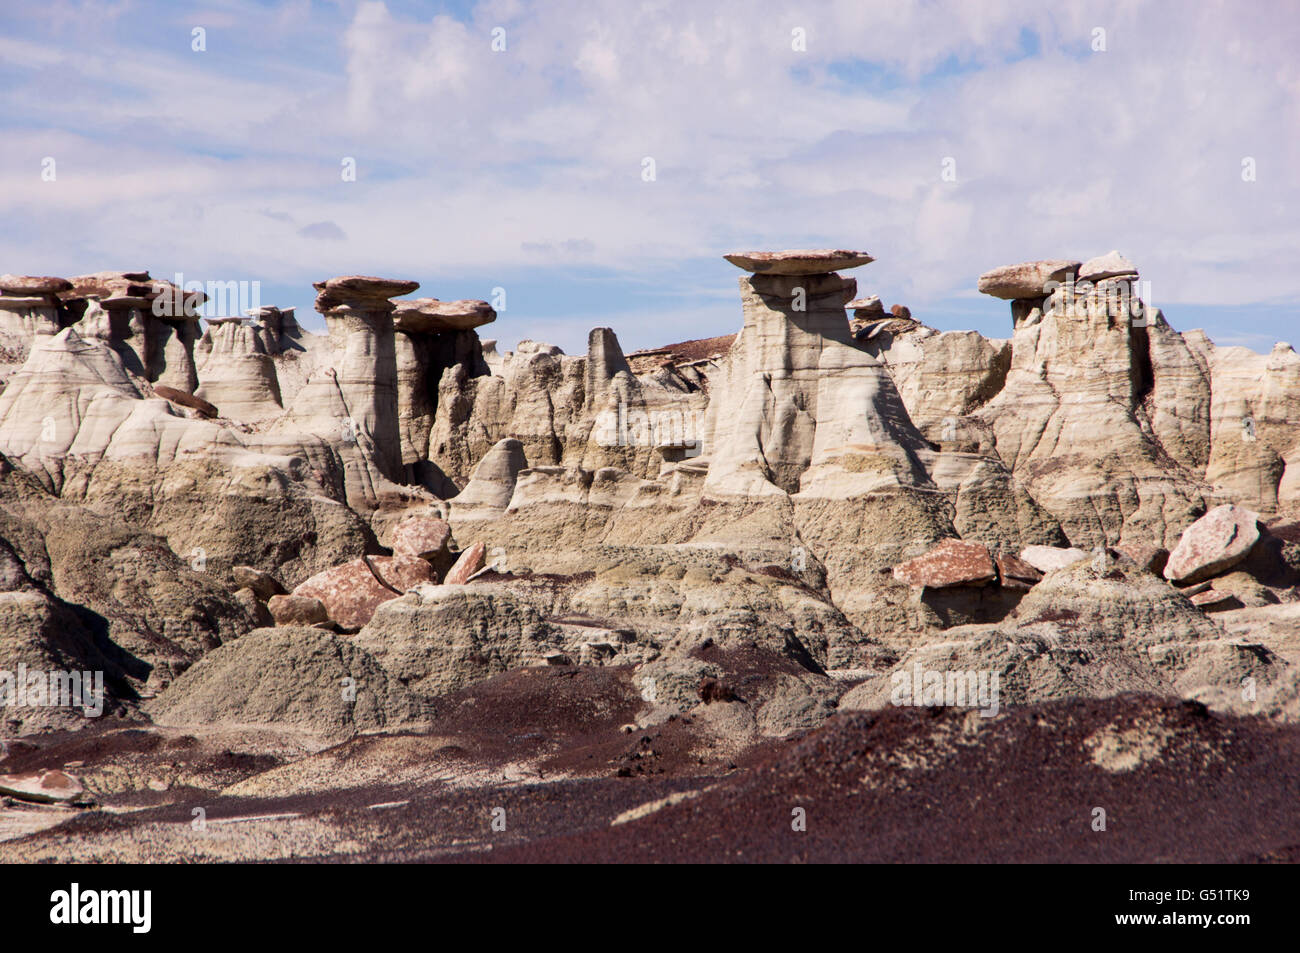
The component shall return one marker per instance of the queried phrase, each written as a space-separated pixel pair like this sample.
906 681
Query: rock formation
381 554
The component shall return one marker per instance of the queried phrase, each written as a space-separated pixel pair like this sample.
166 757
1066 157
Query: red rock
470 562
45 786
1015 573
1212 599
296 610
423 536
1145 555
953 562
350 592
1214 543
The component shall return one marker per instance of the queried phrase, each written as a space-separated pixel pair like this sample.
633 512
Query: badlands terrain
391 593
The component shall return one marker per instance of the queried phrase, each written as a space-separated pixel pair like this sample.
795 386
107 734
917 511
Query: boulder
1213 544
954 562
1153 558
1049 558
263 584
1026 280
469 562
352 591
1110 265
255 607
297 610
1213 600
800 262
1015 573
424 536
867 308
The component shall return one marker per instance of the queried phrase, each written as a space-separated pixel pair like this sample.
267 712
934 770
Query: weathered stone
1213 544
800 262
1211 600
424 536
1015 573
1026 280
867 308
431 316
35 285
1048 558
255 607
1153 558
470 562
352 591
296 610
263 584
1110 265
953 562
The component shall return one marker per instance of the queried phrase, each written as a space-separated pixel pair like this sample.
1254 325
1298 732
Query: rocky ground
837 587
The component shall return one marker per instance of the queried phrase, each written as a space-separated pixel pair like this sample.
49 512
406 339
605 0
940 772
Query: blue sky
771 125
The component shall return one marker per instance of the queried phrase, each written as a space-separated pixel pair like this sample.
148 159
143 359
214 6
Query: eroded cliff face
754 494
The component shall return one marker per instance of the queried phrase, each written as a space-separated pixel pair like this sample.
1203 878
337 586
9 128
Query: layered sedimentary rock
833 493
238 372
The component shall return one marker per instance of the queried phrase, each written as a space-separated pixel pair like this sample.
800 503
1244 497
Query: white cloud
477 162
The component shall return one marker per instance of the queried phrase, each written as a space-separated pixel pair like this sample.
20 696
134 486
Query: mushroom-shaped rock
1214 543
798 262
1110 265
1026 280
954 562
431 316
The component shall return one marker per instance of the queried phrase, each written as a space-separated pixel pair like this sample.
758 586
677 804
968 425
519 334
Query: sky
594 160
